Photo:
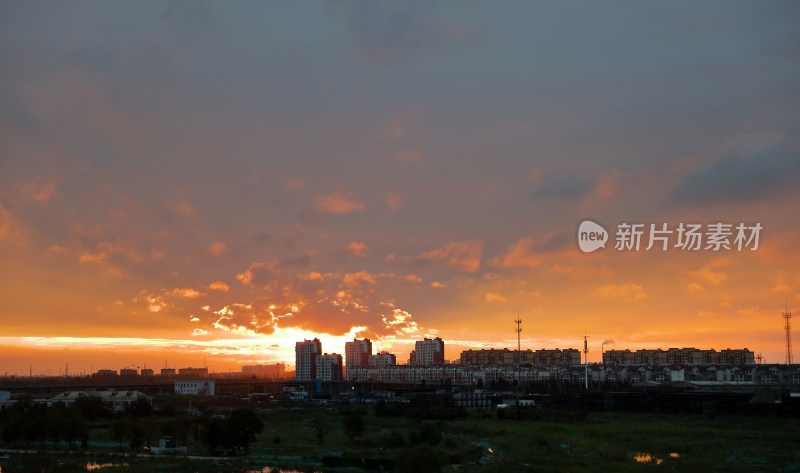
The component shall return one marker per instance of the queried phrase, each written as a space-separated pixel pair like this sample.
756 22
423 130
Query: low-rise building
193 372
204 387
273 371
115 400
673 356
168 445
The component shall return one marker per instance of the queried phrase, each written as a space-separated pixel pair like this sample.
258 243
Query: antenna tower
518 321
787 316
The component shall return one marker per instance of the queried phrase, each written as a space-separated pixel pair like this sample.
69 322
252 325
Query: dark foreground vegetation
427 434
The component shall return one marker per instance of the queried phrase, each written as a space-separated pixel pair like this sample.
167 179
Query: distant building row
145 372
311 363
680 356
487 357
272 371
701 375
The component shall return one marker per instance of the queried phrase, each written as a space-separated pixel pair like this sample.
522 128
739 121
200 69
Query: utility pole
586 359
519 346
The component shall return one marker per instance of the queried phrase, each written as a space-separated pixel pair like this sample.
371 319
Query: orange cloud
182 208
400 322
187 293
411 280
99 255
625 292
408 156
151 302
257 271
5 222
466 255
219 286
217 248
492 297
359 279
358 249
437 284
694 287
521 254
394 201
245 319
56 250
122 246
582 271
296 183
337 203
39 189
312 276
606 188
709 275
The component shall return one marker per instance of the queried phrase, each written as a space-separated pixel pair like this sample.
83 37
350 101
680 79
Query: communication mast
518 321
788 327
586 359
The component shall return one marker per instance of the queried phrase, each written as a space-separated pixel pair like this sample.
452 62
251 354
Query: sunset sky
181 180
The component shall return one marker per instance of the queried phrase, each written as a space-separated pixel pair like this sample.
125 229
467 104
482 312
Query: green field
304 437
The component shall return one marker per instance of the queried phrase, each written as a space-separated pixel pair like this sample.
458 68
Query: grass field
547 440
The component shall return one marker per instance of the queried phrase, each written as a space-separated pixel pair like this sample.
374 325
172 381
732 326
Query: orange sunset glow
181 186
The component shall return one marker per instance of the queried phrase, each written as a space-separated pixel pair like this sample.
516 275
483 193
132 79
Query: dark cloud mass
753 167
390 31
560 183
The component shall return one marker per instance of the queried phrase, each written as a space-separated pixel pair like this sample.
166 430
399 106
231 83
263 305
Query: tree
12 431
353 425
183 425
73 426
214 434
430 434
320 426
91 407
139 408
244 425
34 426
54 421
419 459
118 429
135 434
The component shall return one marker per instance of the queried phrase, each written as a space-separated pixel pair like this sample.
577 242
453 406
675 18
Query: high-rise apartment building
427 352
305 356
329 367
357 353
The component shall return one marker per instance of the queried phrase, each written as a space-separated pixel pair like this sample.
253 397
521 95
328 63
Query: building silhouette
305 355
383 359
427 352
494 356
357 353
680 356
329 367
273 371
